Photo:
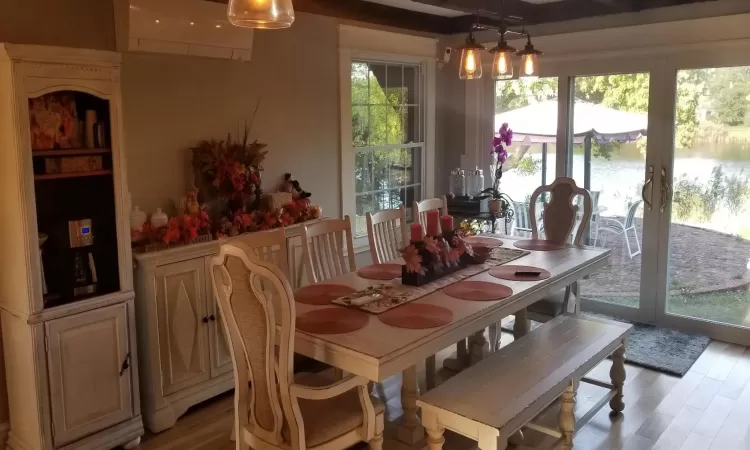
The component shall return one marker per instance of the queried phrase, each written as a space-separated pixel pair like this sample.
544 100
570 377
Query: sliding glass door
708 182
662 142
609 116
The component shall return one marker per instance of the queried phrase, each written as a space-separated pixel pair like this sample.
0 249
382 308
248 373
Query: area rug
661 349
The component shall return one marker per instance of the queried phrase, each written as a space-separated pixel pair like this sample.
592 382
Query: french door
672 205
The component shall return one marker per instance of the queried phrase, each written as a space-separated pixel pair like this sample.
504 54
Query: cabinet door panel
221 359
90 384
182 323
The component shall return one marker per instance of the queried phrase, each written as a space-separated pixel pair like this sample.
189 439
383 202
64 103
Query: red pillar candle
417 233
433 222
446 223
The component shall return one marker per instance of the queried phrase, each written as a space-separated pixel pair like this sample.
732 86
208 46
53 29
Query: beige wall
172 102
65 23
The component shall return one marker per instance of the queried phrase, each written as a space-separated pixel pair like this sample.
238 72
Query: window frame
362 44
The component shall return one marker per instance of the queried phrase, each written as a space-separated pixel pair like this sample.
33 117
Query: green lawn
725 307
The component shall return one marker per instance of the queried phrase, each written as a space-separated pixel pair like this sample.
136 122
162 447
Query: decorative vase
495 205
159 219
137 219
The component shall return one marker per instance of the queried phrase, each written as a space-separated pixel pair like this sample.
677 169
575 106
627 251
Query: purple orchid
504 138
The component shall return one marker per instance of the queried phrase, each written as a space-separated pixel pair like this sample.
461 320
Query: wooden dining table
378 351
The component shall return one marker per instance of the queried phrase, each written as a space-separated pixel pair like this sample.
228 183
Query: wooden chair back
419 209
387 234
560 212
241 283
328 249
267 245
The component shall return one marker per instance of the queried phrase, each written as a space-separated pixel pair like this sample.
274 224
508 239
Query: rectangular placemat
396 294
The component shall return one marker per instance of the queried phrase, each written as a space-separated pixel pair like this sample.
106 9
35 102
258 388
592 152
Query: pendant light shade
502 63
471 60
269 14
529 61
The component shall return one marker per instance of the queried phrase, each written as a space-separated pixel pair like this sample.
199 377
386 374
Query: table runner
395 294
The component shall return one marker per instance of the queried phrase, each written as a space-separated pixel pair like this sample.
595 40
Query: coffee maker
81 272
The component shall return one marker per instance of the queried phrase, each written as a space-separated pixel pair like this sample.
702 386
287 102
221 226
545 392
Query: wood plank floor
707 409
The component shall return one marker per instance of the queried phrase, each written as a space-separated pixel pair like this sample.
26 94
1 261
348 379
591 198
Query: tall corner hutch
70 355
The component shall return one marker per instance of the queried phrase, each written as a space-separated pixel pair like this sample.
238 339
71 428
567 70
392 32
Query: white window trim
368 44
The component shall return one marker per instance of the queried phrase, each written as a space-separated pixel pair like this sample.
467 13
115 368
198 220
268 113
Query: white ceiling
420 7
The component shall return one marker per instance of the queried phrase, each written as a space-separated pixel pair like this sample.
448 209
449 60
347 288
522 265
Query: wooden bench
493 399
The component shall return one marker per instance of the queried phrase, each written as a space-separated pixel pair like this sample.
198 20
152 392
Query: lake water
620 181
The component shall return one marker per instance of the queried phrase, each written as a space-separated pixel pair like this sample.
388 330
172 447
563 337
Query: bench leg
617 375
433 430
567 416
521 324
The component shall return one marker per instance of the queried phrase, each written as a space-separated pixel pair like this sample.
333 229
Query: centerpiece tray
380 298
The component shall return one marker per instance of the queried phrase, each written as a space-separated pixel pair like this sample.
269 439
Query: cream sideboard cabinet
184 355
69 339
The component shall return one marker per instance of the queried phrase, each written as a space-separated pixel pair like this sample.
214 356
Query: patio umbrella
537 124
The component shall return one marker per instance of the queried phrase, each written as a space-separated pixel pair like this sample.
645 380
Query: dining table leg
478 347
410 431
521 324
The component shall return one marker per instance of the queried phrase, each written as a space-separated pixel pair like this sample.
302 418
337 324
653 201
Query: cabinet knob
205 320
212 317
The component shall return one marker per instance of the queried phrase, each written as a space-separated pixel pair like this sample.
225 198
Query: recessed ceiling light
157 20
192 23
218 26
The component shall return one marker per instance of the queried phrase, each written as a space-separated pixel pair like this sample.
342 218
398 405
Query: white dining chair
282 411
328 249
328 252
387 234
419 209
559 219
419 215
267 245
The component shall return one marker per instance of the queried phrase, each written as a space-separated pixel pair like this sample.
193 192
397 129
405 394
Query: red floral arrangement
182 229
299 210
435 252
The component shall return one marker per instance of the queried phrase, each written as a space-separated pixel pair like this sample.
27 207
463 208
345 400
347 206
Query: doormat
660 349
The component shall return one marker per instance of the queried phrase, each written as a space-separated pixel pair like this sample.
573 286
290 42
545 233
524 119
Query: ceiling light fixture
502 63
268 14
471 59
529 60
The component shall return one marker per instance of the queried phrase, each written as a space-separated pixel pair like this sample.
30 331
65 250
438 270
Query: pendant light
471 59
502 63
269 14
529 61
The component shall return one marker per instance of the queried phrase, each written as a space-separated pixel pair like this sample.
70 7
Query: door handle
666 190
649 182
125 364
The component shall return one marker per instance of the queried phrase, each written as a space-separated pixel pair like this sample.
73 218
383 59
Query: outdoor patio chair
614 226
521 222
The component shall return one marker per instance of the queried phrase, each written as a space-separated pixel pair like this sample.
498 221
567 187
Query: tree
730 88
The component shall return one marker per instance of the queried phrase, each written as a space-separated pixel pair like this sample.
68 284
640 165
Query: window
387 137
